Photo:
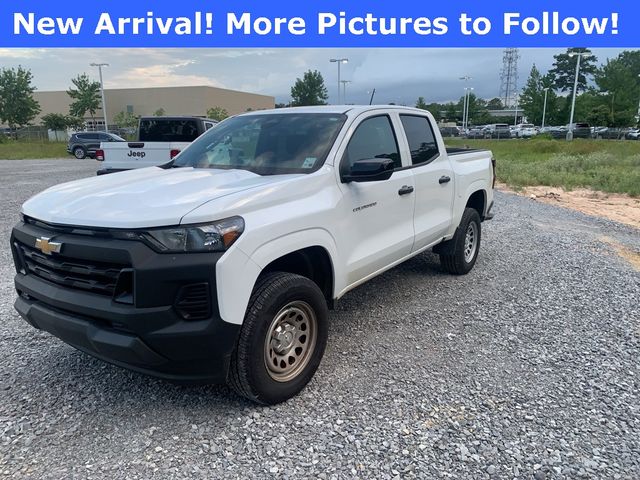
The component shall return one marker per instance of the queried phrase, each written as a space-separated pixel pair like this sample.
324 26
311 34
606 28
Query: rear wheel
282 340
459 255
79 153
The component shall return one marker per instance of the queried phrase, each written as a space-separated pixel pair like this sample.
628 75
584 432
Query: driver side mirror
370 170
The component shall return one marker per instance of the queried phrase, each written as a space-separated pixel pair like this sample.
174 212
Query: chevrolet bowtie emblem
48 247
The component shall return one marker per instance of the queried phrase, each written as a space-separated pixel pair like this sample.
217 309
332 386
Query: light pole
515 117
466 78
339 61
104 105
344 90
467 100
544 108
575 90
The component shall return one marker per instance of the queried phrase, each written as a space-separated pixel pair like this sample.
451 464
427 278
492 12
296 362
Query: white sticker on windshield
309 162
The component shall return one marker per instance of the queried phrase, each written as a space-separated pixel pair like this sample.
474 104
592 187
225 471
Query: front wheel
459 255
282 340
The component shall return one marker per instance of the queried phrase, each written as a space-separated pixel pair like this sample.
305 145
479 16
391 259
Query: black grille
193 302
93 276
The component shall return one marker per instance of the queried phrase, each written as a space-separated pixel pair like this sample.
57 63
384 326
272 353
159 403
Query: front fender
238 271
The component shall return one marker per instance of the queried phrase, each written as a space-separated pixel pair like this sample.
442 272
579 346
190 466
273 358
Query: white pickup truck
159 140
221 265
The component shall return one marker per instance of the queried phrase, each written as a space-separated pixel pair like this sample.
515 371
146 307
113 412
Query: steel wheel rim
290 341
470 242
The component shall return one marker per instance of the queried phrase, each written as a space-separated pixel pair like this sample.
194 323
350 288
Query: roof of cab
339 109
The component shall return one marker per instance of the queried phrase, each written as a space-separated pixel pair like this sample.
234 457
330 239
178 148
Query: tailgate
128 155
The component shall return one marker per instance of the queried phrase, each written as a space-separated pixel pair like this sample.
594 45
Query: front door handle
444 179
405 190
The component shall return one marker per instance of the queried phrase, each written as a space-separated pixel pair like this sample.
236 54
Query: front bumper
148 333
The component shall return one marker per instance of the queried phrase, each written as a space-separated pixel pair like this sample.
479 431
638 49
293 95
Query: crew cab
221 265
159 140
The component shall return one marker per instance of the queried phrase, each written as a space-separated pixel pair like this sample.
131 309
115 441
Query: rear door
375 218
92 141
434 181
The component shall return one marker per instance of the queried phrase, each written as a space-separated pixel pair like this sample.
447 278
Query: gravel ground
525 368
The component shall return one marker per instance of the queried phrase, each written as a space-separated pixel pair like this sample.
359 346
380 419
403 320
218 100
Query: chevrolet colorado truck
221 265
159 140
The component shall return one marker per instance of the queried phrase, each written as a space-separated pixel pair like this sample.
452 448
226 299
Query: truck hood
146 197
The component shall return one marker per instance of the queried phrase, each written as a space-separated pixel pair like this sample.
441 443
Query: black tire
272 298
80 153
453 253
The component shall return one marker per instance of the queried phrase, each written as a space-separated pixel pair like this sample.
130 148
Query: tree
86 96
619 83
17 105
495 104
217 113
421 104
126 119
310 90
159 112
477 112
452 114
55 122
564 70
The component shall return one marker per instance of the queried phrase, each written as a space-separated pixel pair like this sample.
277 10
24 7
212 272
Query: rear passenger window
374 138
422 142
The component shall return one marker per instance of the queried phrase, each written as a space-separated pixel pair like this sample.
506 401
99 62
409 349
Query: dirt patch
629 255
617 207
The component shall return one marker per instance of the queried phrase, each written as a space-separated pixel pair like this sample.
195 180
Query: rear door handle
444 179
405 190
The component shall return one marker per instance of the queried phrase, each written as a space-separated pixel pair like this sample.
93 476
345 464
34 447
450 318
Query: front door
376 217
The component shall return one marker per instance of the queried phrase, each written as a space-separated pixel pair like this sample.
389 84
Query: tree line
607 95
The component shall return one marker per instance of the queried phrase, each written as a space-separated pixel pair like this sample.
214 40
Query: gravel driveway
528 367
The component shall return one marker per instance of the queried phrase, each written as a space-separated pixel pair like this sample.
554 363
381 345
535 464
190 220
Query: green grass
605 165
12 150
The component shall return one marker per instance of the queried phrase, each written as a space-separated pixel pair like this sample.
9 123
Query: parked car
159 140
609 133
633 134
450 131
85 144
524 130
497 130
580 130
475 133
221 265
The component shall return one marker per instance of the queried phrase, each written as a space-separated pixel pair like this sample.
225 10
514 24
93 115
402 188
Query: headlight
212 237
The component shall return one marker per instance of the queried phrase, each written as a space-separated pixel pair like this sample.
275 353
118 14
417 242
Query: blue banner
328 23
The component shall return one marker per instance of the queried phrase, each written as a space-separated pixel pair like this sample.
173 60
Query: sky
398 75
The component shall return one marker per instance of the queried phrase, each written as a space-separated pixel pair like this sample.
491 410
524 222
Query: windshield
117 138
270 144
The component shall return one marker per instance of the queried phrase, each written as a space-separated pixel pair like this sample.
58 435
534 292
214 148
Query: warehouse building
172 100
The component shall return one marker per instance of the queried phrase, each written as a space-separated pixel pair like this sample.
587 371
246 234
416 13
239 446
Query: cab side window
422 141
373 138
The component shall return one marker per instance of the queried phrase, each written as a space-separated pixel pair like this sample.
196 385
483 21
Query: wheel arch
310 253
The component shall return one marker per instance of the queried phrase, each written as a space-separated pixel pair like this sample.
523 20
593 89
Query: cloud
19 53
160 75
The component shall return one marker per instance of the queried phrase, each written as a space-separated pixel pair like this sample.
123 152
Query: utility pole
104 104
